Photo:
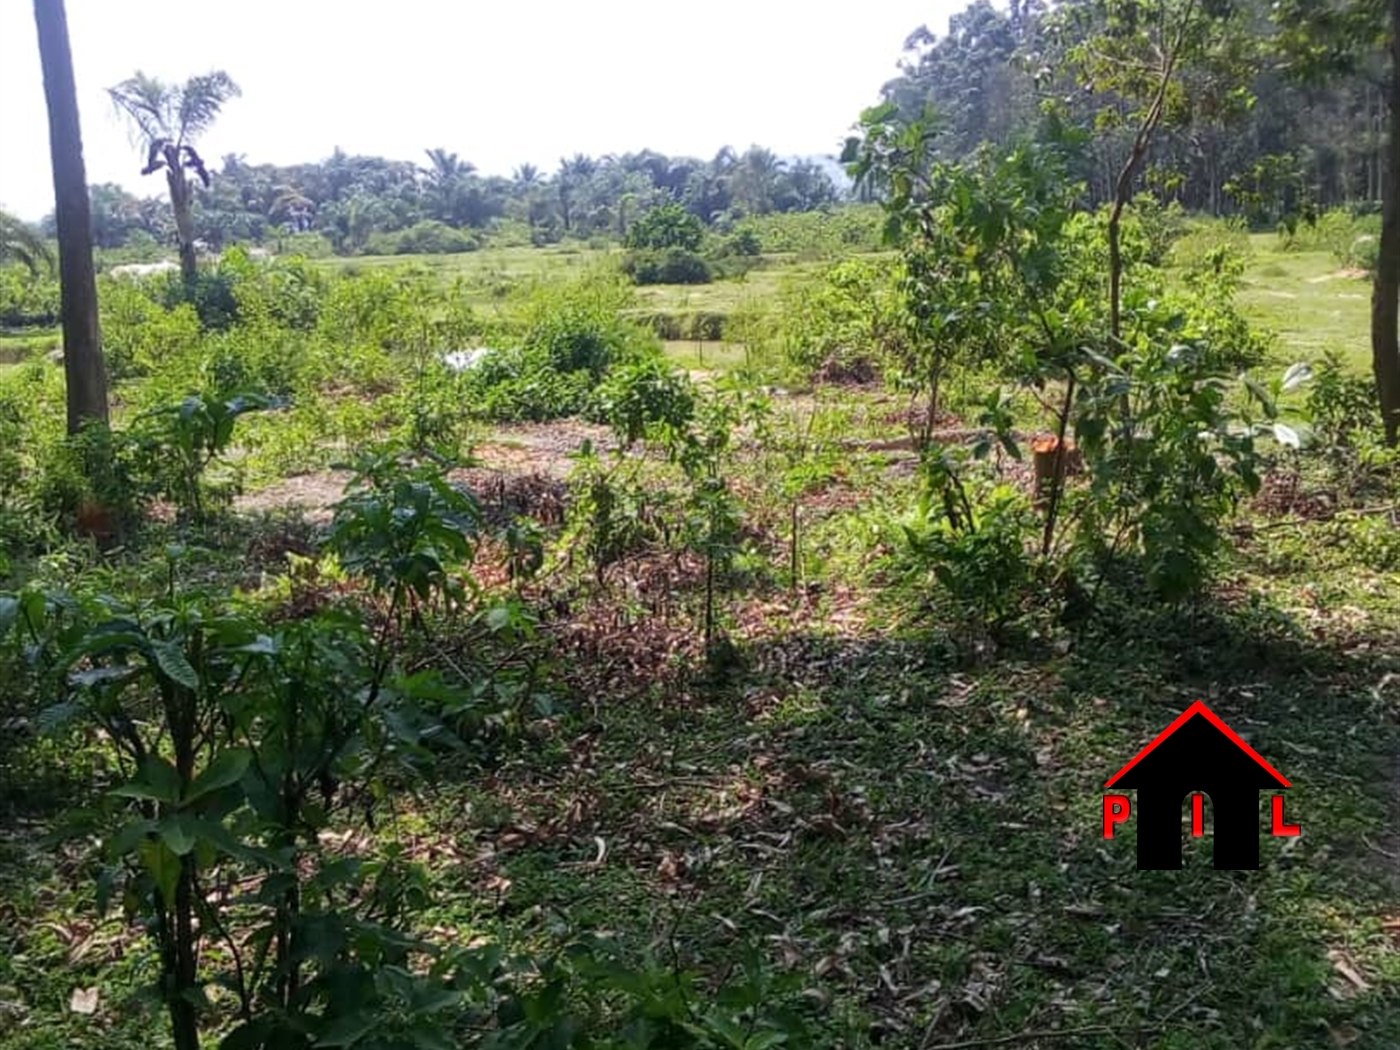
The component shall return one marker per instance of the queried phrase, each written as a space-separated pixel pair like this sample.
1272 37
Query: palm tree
447 178
754 177
84 368
168 118
572 171
527 175
19 243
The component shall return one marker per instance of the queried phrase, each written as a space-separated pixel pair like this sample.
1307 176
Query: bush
644 397
849 315
671 266
818 234
1213 254
27 298
665 227
579 325
425 238
514 386
973 548
1352 239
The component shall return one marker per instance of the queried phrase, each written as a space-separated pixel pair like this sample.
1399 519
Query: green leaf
171 660
126 840
347 1030
156 780
163 866
227 768
180 832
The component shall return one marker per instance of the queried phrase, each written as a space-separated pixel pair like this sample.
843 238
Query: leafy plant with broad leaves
404 526
179 442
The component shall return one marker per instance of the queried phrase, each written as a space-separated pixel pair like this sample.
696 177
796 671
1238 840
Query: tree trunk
84 367
183 207
1385 295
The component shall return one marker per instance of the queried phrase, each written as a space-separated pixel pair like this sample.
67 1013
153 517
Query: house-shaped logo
1200 755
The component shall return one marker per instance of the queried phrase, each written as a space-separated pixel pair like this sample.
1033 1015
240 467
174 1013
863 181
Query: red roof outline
1199 708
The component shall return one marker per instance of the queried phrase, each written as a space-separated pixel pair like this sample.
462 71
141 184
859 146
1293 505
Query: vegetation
679 609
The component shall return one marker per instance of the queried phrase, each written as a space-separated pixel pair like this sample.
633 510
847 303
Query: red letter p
1116 809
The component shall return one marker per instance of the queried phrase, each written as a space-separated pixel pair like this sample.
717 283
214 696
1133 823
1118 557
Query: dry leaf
83 1001
1344 966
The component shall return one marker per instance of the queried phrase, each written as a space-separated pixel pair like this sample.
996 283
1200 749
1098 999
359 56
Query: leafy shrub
1160 486
1213 255
211 294
516 386
612 512
578 325
1341 405
27 298
666 227
1353 240
139 334
429 237
1158 225
403 524
179 442
669 266
850 313
744 241
970 541
645 396
818 234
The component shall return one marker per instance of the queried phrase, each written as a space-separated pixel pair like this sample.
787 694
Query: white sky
498 82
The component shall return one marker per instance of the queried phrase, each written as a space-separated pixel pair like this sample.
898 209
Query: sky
499 83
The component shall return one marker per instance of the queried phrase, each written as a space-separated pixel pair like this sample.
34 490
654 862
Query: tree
573 172
1133 56
667 226
19 243
168 118
84 367
1324 41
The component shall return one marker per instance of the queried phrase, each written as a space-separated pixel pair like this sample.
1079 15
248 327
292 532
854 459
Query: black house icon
1198 753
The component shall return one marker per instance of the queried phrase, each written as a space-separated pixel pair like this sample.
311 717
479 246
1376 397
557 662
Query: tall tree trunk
1385 295
182 206
84 367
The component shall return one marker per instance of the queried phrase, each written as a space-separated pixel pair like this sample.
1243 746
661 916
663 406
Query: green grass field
1311 304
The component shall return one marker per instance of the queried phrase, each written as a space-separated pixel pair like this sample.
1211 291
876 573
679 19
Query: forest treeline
1243 134
373 204
1244 131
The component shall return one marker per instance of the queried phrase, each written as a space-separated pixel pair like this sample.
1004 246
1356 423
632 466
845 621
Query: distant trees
85 369
352 200
168 119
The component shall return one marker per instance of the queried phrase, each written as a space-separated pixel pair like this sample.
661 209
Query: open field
1312 304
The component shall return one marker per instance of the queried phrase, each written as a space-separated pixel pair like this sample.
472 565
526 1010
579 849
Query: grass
906 821
1308 302
18 345
702 355
910 829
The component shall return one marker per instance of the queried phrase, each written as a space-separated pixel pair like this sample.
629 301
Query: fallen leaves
84 1001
